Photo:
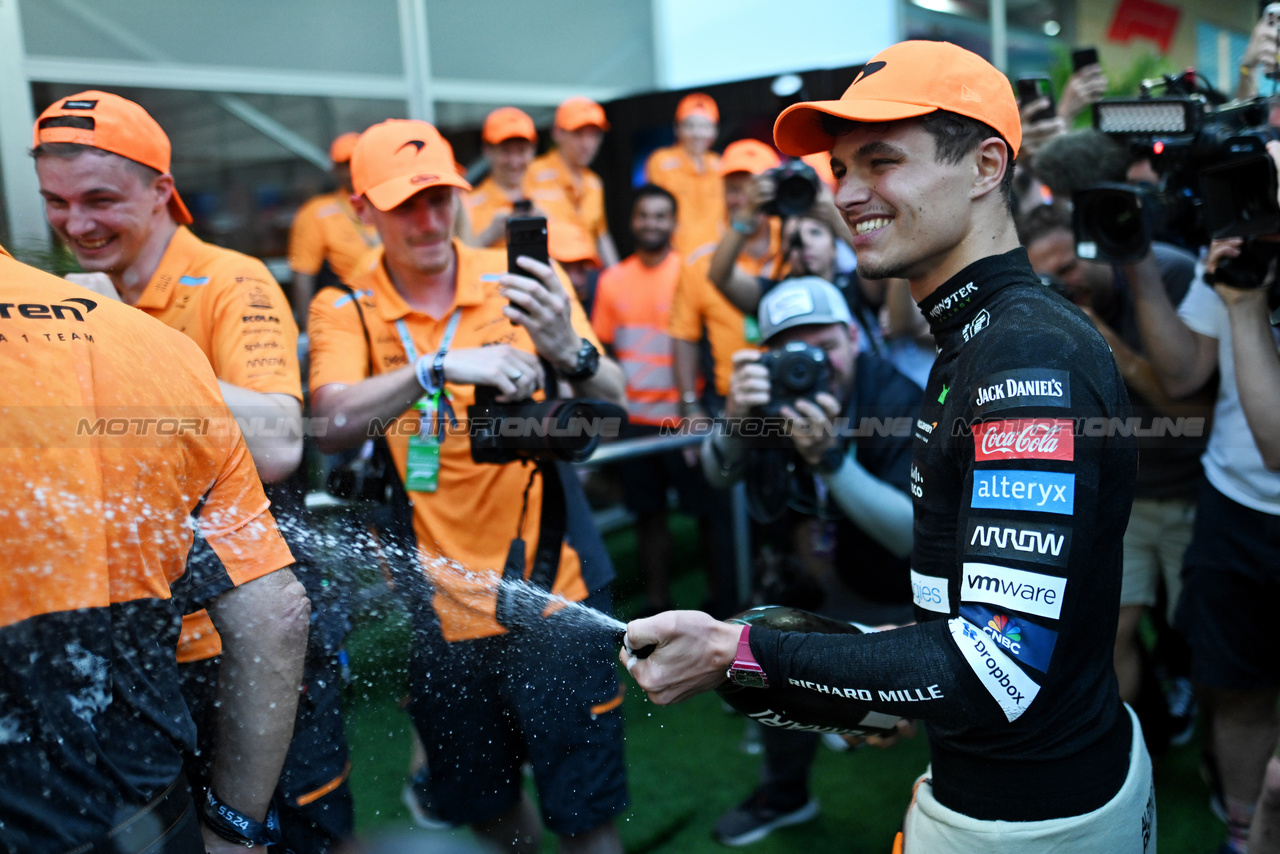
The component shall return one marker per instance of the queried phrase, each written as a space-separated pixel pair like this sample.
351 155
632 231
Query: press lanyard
437 401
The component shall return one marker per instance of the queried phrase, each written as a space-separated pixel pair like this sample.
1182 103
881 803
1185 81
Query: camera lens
799 374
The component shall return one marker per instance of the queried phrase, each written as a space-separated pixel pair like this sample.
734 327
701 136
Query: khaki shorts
1124 825
1158 533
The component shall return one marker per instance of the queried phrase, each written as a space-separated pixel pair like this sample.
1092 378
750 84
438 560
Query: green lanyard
422 471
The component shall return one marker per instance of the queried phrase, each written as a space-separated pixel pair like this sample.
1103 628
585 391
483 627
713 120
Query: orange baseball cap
697 104
397 158
909 79
340 151
508 123
579 112
119 126
568 242
748 155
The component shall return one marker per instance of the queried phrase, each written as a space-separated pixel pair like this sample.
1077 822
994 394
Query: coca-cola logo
1024 439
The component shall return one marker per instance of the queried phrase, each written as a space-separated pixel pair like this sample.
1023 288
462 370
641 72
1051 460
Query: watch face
747 676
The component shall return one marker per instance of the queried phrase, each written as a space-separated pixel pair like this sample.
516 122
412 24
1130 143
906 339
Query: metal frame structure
155 68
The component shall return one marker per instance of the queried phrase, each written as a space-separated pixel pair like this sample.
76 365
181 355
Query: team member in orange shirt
509 143
96 533
103 166
632 314
698 305
434 317
327 231
690 170
559 181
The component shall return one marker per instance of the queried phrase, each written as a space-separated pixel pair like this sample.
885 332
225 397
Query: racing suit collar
957 301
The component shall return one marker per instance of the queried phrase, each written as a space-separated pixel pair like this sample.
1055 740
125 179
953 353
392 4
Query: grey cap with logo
803 301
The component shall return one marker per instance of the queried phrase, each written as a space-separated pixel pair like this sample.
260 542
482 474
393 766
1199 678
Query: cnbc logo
1005 632
1006 627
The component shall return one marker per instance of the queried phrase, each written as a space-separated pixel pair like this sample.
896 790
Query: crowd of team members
407 310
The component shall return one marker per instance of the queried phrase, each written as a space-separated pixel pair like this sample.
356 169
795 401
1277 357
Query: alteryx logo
1025 641
193 281
1020 489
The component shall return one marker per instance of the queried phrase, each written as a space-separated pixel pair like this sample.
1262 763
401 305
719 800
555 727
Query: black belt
137 834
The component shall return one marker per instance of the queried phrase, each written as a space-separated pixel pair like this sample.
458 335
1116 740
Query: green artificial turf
685 762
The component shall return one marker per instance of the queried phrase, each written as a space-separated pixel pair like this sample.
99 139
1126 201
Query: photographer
866 479
1229 578
483 699
809 235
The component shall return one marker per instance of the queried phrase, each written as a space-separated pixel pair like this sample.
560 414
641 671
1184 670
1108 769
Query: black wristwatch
588 363
830 461
236 827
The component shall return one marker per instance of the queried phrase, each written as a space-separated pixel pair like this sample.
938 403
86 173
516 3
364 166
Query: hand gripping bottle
839 709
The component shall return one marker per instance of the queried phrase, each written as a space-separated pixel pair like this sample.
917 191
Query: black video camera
795 189
1216 180
566 429
796 371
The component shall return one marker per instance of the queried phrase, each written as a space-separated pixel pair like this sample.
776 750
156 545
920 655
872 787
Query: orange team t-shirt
326 228
554 188
698 304
632 312
465 527
485 202
229 304
93 515
700 212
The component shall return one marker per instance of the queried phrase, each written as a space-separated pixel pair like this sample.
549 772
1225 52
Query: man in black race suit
1021 486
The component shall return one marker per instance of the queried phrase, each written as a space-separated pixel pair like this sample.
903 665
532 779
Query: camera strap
438 406
521 600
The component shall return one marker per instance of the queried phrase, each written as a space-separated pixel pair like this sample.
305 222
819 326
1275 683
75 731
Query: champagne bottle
800 708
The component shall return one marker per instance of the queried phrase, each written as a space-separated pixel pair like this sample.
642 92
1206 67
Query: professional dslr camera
795 371
1216 178
795 189
567 429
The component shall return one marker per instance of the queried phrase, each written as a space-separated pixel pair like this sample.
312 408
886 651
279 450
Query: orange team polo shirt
465 527
485 202
632 312
230 306
700 212
698 304
326 228
93 516
554 188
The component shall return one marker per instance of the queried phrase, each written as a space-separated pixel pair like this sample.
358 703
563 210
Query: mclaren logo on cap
79 105
967 94
424 178
417 144
869 69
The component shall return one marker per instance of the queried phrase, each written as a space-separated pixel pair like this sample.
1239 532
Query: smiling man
103 165
1019 515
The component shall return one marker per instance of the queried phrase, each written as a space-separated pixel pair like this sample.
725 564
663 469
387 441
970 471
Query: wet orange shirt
229 304
632 311
326 228
563 195
113 428
485 202
698 304
700 212
465 527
